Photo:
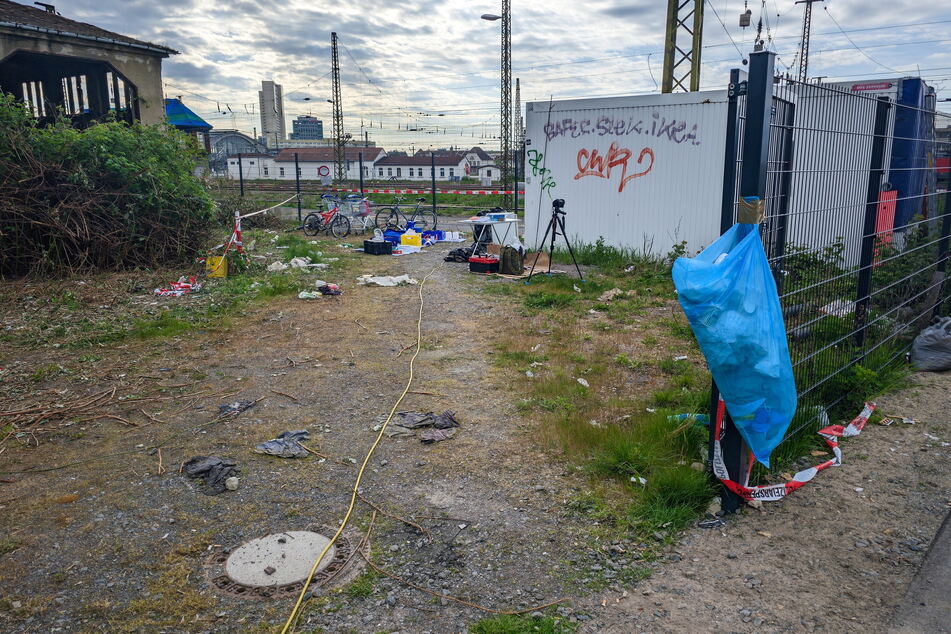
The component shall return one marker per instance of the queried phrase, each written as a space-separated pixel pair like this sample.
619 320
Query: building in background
53 63
271 100
225 143
449 166
314 163
307 128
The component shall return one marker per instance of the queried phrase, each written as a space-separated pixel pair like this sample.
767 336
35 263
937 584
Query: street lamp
506 91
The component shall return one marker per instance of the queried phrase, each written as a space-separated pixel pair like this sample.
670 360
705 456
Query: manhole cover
276 566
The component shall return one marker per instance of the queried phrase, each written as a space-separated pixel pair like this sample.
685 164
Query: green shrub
110 196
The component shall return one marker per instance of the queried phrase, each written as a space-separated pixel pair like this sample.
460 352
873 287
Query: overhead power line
870 58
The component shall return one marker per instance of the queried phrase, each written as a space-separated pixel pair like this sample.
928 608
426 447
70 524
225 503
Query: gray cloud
438 56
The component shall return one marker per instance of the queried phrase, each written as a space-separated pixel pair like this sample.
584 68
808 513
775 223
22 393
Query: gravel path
112 545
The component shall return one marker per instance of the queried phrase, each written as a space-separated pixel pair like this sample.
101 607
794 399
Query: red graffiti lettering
592 163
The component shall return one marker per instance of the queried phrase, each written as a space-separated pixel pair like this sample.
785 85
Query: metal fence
857 224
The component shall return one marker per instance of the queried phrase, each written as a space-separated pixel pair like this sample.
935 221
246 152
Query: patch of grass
67 300
298 247
680 329
518 358
521 624
172 596
542 299
673 497
163 326
361 587
8 545
672 367
47 371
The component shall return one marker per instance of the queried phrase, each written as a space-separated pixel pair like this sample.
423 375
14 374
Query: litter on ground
286 445
183 286
216 473
386 280
607 296
233 409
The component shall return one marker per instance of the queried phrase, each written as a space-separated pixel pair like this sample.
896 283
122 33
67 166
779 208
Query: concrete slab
278 559
927 604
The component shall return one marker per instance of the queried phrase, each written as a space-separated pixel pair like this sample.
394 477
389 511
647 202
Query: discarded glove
286 445
214 471
233 409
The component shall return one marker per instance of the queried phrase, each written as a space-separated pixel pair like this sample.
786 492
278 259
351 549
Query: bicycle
332 221
390 217
360 213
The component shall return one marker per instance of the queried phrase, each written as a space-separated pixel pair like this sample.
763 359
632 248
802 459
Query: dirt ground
836 556
114 545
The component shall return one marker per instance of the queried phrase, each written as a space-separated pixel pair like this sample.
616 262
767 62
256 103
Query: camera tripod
556 226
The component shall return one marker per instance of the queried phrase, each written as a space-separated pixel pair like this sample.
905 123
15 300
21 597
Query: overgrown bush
108 197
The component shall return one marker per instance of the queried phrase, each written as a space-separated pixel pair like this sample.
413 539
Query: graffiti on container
659 127
593 163
535 157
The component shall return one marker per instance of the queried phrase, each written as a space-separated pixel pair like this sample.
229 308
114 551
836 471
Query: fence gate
856 231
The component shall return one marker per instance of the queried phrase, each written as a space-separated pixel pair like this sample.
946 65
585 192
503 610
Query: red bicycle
331 221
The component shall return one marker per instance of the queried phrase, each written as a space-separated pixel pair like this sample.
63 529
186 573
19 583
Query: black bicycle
395 218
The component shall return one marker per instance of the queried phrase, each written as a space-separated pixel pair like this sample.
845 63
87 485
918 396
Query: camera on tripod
556 227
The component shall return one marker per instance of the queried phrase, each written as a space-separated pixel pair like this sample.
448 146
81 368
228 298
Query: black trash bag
286 445
931 350
213 470
459 255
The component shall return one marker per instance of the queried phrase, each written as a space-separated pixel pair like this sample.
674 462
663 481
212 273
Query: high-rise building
271 98
306 127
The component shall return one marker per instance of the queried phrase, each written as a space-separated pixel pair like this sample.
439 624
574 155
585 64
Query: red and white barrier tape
774 492
474 192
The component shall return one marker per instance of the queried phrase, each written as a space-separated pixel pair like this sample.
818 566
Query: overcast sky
399 59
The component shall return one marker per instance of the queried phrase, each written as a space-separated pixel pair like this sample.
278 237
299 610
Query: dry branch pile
108 197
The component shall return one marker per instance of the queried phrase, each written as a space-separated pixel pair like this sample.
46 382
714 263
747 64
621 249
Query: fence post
240 173
875 174
734 90
362 195
943 250
759 107
432 161
515 182
297 180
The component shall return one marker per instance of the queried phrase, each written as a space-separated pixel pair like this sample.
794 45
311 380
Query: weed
361 587
674 367
47 371
519 624
67 300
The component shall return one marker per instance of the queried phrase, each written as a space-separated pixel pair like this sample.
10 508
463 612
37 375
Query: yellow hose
356 484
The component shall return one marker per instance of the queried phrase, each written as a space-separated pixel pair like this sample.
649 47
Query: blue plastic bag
729 296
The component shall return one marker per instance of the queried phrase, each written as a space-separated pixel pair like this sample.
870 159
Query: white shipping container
641 172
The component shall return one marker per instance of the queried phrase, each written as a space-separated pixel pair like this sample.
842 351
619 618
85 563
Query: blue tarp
729 296
180 116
